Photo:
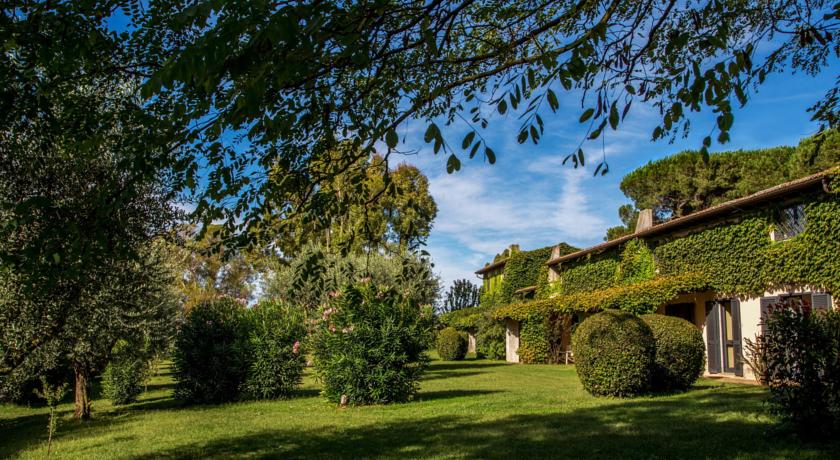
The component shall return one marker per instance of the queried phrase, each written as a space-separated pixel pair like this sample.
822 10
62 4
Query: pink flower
296 347
334 294
366 279
332 328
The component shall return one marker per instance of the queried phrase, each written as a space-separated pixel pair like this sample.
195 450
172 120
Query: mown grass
472 408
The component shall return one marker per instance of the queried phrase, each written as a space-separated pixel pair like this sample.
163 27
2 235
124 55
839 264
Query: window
789 222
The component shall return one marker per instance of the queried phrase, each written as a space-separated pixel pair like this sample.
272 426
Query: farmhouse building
719 268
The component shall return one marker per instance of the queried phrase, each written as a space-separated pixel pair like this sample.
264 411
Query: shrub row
225 352
489 333
620 354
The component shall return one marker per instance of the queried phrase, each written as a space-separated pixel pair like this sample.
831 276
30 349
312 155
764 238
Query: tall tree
84 188
374 208
628 215
209 269
461 294
309 280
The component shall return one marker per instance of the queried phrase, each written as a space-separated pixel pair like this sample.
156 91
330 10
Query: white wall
511 341
470 343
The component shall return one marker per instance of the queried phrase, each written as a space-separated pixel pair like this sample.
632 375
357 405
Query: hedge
466 319
680 352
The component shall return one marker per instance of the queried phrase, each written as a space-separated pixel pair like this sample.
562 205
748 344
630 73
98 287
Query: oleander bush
614 354
211 353
125 375
276 361
451 344
680 352
369 345
802 361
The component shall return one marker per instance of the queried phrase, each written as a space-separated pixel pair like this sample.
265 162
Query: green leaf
468 139
587 114
56 257
490 154
453 164
580 157
553 103
613 116
502 107
475 149
391 138
432 133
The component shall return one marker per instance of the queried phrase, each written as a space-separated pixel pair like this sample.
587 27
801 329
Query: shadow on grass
450 394
711 420
463 365
691 426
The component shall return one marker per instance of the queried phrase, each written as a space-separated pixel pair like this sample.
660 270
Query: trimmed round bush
276 359
490 339
127 371
680 352
451 344
369 346
614 354
211 353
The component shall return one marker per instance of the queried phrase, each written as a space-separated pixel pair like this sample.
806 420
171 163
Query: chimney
645 220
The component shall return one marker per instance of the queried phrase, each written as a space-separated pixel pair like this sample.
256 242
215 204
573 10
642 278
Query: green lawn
464 409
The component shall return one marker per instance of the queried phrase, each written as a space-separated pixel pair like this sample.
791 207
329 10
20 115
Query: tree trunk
82 411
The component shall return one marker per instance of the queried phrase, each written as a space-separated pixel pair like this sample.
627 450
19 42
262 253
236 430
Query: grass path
466 409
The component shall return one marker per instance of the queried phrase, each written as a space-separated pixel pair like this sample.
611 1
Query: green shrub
490 338
680 352
211 353
369 345
123 379
802 358
614 354
451 344
276 360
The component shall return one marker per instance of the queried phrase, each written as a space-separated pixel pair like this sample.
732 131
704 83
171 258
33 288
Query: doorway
723 337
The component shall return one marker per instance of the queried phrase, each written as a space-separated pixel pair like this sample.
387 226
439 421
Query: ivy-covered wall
737 258
741 259
533 343
522 269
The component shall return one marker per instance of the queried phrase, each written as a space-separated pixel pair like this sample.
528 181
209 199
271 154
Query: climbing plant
521 271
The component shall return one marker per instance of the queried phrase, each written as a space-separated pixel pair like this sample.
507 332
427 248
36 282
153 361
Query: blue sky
528 197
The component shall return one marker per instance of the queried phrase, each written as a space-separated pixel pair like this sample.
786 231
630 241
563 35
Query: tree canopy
265 103
687 182
463 293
